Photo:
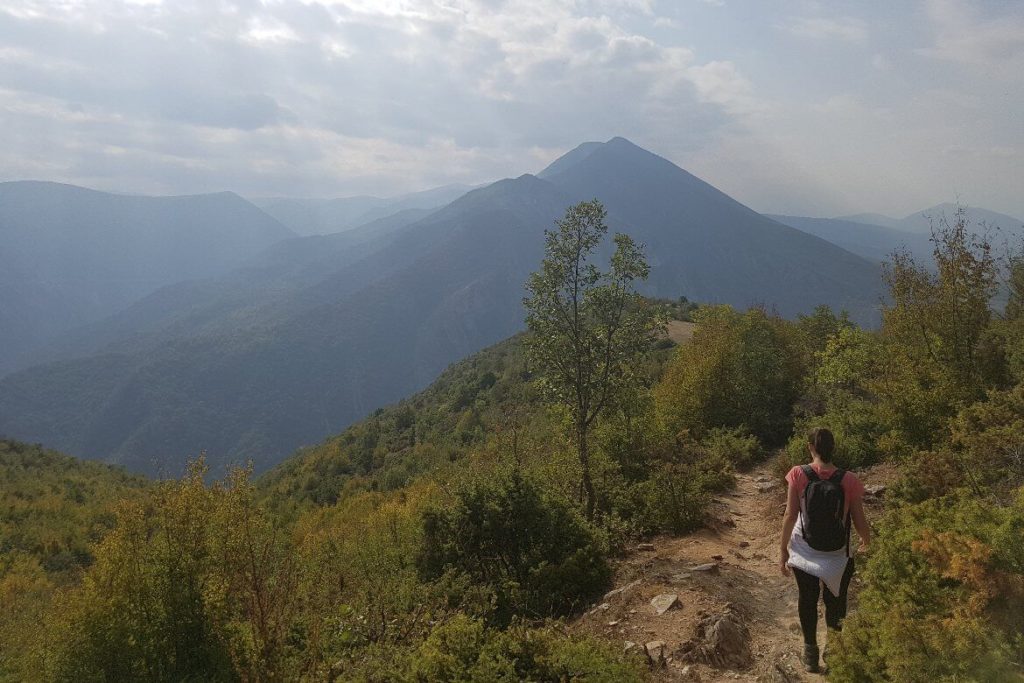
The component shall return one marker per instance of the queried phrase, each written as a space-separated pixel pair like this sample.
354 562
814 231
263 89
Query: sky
791 106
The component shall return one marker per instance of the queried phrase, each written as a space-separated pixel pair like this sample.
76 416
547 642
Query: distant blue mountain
873 242
72 256
876 237
317 332
326 216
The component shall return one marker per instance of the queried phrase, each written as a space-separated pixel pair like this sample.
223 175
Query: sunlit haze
791 106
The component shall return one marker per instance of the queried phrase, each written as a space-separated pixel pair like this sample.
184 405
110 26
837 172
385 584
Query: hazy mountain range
875 236
922 221
72 256
326 216
312 333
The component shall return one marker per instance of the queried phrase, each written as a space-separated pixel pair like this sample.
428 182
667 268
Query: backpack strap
810 473
837 478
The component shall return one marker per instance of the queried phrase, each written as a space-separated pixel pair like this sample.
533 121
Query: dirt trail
741 543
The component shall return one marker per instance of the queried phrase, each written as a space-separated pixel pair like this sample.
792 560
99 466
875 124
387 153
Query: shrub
530 550
141 612
944 598
739 370
983 450
465 650
674 499
859 432
735 446
192 584
367 546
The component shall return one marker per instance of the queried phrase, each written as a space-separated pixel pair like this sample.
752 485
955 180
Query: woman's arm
788 522
860 521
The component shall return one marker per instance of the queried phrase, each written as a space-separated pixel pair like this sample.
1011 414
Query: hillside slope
362 337
54 507
873 242
876 237
921 221
706 245
328 216
269 286
738 575
323 330
73 256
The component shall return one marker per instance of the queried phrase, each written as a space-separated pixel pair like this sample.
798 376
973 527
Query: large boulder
722 641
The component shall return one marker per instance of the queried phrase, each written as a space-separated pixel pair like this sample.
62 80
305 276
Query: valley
316 332
518 341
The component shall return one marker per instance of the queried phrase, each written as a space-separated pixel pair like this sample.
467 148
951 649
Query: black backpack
825 526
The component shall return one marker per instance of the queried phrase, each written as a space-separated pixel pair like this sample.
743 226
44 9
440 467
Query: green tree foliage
840 395
1011 327
192 584
940 348
739 370
814 331
365 547
588 329
53 509
526 548
937 331
944 585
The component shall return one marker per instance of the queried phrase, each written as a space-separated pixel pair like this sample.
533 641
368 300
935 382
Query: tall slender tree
588 328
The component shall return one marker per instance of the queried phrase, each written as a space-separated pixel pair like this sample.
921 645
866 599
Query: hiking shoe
811 659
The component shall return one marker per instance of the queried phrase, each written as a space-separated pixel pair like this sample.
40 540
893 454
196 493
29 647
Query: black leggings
835 606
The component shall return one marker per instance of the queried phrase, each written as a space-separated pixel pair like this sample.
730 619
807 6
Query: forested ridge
314 333
447 538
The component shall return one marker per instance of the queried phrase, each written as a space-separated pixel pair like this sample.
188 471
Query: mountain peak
569 159
622 143
580 153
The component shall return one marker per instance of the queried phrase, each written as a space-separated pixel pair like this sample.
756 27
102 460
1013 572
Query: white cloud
476 80
962 35
721 83
847 29
332 97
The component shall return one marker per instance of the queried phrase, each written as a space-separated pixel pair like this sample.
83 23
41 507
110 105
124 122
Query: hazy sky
791 106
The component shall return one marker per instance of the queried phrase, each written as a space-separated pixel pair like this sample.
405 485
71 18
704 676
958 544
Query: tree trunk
588 485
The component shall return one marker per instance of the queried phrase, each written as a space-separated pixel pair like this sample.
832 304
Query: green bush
465 650
530 550
735 446
859 432
142 611
983 450
673 499
944 596
739 370
193 583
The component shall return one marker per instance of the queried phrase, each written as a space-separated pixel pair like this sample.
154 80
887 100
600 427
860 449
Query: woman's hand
863 547
783 567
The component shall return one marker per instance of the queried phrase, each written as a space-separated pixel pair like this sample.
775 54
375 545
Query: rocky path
721 610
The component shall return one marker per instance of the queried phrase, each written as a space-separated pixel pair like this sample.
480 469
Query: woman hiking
816 537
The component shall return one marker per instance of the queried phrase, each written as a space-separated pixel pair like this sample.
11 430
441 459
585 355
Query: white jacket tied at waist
829 566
